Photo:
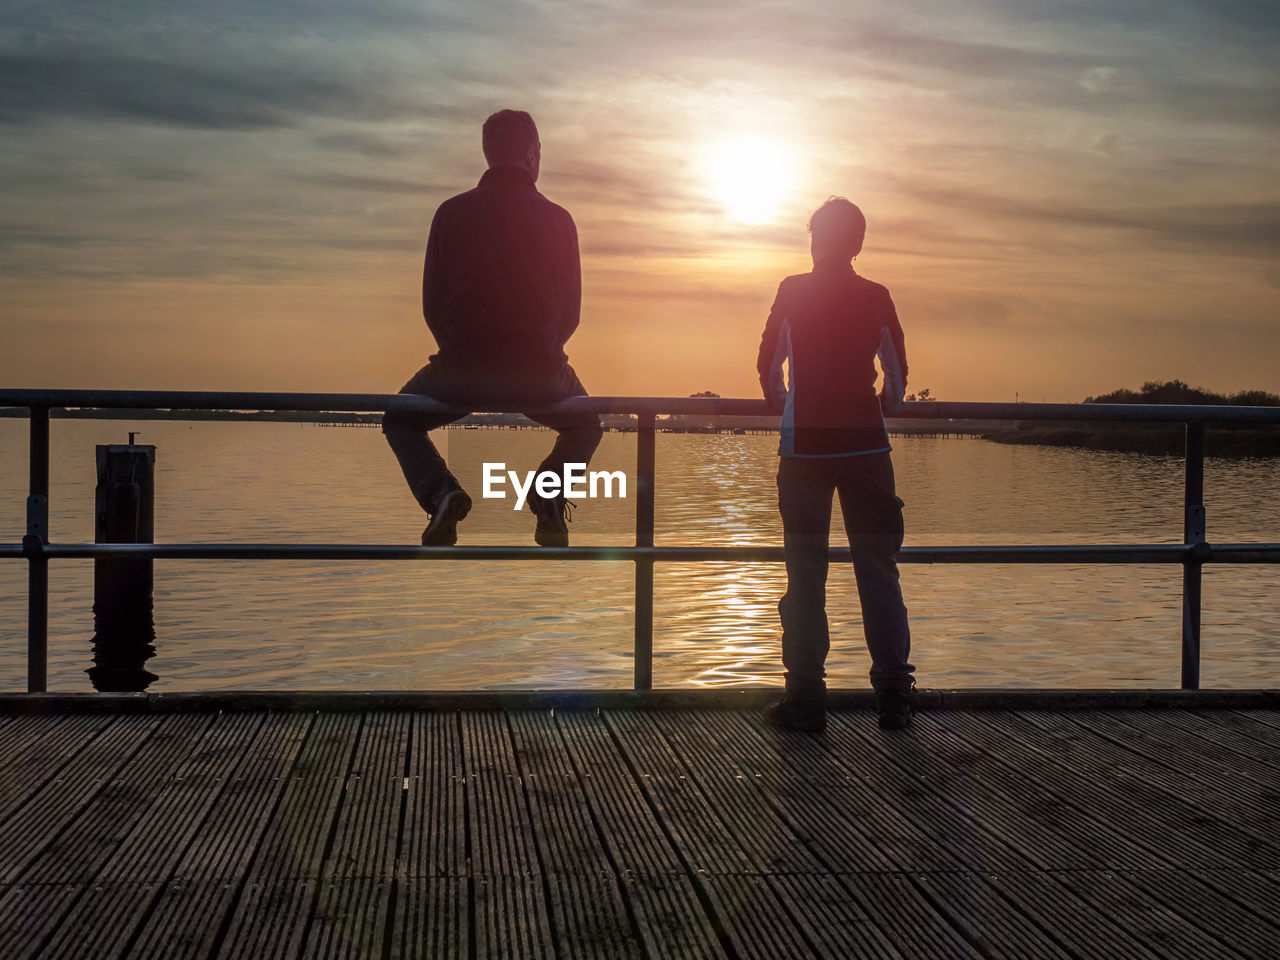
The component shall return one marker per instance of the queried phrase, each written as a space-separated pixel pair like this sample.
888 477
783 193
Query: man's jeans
425 470
873 522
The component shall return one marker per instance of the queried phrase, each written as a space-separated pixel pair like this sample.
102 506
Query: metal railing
1192 553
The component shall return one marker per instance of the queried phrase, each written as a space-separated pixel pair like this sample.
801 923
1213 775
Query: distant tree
706 393
924 396
1175 391
1254 398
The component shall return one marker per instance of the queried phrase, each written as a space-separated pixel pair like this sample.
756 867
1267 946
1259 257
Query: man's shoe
442 531
808 714
553 520
893 705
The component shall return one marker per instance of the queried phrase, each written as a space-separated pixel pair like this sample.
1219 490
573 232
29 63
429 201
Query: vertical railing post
1193 532
645 458
33 543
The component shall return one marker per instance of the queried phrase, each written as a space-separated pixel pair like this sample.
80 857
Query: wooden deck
640 833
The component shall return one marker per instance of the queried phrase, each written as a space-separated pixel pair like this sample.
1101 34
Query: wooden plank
1166 748
589 918
826 774
270 920
833 923
1022 823
226 841
433 918
1243 729
1263 718
1256 759
30 914
434 840
956 828
282 883
588 915
153 839
195 903
59 803
101 826
294 845
101 923
1246 931
1257 891
834 831
629 830
37 748
511 918
760 829
500 831
186 919
1164 931
350 919
992 924
350 916
129 838
668 915
1098 761
1173 831
1090 933
752 919
367 831
568 840
1042 825
906 917
705 844
1251 810
188 837
670 918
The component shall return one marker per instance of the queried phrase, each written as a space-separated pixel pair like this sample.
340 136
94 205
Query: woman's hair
840 225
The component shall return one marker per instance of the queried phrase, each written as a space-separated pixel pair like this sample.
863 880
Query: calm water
439 625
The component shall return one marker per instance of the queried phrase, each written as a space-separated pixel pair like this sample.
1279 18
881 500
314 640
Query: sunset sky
1063 197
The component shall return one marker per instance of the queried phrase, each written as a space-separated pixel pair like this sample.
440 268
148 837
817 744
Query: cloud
346 181
104 85
1015 150
1232 228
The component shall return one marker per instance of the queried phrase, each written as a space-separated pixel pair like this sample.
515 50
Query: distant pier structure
624 423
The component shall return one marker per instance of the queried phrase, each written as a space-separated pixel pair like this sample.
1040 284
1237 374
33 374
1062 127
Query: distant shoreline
1231 442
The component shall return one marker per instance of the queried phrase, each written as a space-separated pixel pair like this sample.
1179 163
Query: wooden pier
533 832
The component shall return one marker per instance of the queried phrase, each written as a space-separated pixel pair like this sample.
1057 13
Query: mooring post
123 586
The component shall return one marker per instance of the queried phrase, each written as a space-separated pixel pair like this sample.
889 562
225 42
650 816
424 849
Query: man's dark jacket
502 286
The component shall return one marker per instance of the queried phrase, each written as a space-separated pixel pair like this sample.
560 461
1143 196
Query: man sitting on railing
829 326
501 294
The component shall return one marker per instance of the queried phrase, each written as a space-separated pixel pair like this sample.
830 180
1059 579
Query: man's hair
840 224
507 137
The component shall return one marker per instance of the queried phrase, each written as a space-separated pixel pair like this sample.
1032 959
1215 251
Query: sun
750 176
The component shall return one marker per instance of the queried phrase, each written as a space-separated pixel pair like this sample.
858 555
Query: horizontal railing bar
707 406
1002 553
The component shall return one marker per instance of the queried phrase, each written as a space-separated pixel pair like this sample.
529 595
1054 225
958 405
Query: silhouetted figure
829 326
501 294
